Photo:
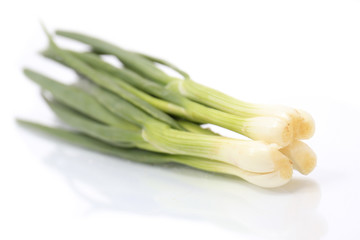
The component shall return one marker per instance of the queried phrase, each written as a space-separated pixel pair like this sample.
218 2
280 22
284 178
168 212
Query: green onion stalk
267 180
297 124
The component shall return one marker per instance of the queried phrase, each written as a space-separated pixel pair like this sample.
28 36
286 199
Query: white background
304 54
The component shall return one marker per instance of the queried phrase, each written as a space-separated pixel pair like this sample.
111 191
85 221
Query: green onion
140 113
299 124
267 180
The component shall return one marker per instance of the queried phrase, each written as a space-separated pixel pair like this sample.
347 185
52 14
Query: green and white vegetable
140 113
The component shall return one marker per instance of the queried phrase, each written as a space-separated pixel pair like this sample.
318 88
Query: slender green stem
131 60
78 99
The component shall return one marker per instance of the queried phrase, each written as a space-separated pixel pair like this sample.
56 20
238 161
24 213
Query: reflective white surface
303 54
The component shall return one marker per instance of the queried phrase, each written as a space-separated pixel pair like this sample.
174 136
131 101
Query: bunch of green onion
139 112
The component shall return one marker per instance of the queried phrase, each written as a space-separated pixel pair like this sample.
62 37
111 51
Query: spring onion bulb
301 155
